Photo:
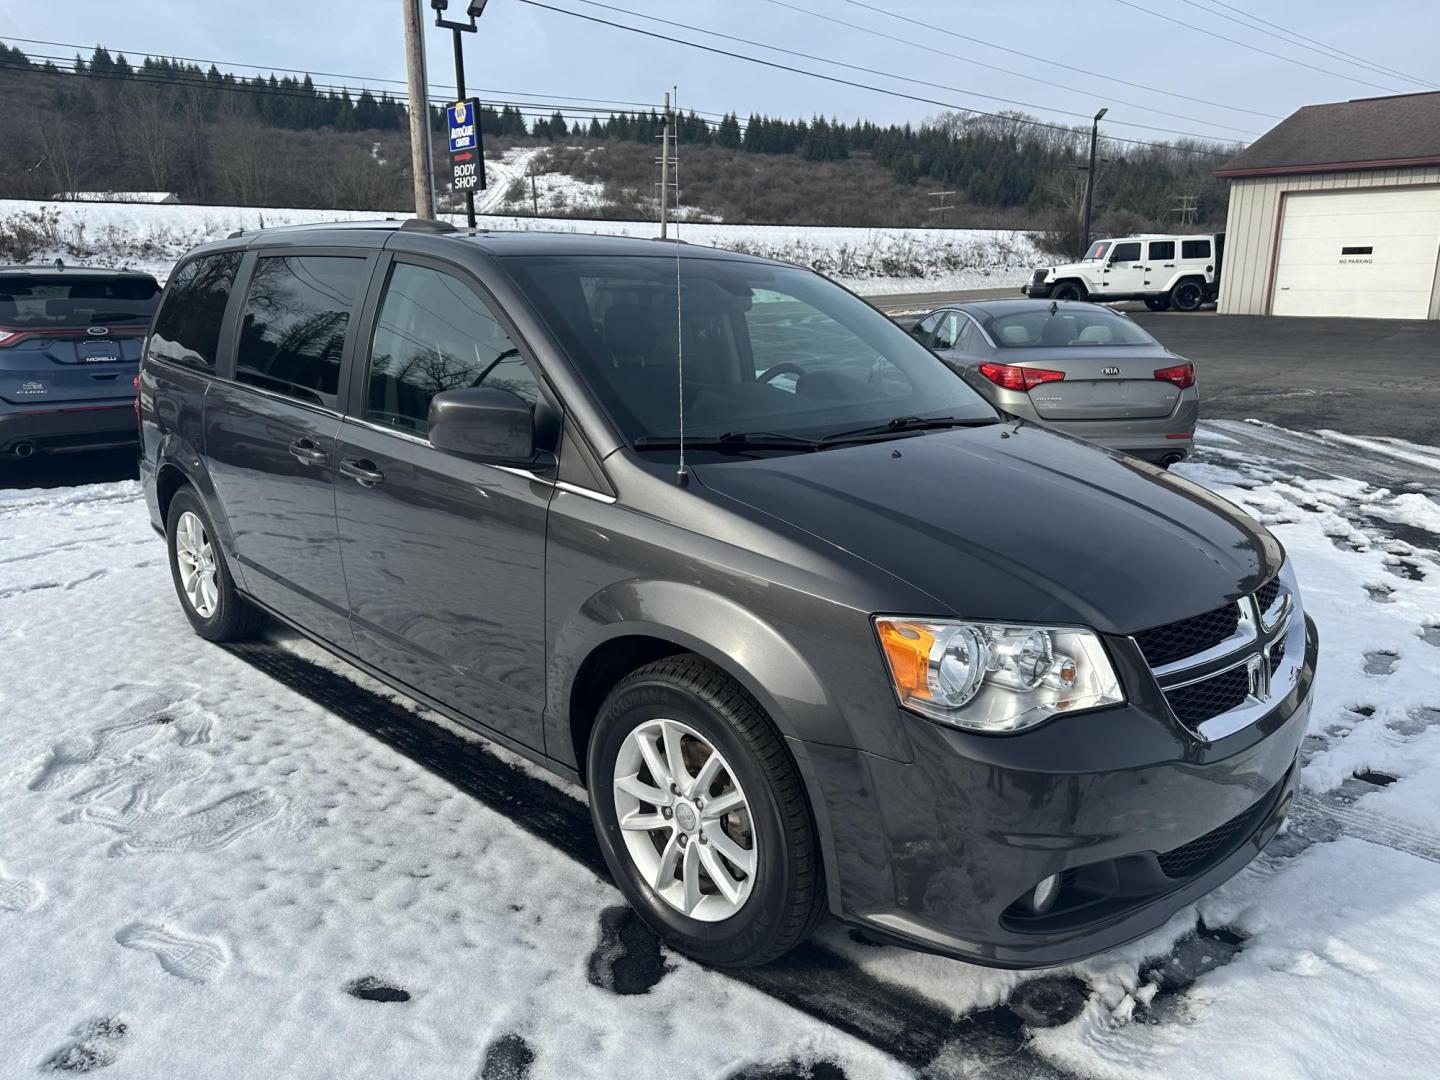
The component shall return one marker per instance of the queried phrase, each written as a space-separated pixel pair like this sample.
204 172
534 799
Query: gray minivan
818 628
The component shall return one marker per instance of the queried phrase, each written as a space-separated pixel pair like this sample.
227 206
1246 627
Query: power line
886 74
862 86
441 93
1257 48
994 67
1328 51
540 110
931 27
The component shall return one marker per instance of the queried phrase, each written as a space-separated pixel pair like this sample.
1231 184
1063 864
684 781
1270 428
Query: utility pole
941 208
1187 211
421 163
1090 182
534 192
473 11
665 171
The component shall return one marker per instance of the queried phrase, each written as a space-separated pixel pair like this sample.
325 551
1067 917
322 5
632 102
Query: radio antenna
682 476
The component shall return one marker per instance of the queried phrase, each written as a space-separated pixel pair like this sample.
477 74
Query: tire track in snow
813 979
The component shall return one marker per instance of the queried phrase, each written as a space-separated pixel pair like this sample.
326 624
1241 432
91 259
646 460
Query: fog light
1043 898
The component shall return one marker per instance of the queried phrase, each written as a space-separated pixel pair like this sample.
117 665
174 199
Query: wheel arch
178 464
631 624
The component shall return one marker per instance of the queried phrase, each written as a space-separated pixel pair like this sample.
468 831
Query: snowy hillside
867 260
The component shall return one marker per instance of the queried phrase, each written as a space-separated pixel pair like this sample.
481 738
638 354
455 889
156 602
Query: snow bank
875 261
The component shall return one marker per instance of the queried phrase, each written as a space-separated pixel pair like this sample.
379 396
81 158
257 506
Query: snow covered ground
254 863
874 261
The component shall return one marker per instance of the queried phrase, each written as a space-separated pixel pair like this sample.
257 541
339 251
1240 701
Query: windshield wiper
731 440
905 423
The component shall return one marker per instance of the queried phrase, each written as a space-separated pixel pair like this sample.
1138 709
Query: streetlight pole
1090 182
473 11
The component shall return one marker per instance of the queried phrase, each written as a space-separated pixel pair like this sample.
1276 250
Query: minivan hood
1015 522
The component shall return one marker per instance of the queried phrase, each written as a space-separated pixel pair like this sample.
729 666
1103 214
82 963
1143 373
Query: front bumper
937 854
50 428
1036 290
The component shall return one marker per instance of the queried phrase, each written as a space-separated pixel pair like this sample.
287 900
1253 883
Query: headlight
995 677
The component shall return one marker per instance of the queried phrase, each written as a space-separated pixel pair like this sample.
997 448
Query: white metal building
1336 211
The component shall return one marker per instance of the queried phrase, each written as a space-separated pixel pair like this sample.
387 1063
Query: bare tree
245 161
64 159
152 133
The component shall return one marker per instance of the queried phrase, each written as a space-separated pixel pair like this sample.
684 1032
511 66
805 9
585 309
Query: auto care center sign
467 166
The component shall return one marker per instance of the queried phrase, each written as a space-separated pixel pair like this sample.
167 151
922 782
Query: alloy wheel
195 558
685 820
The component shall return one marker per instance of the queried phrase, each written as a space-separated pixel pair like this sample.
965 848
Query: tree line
217 136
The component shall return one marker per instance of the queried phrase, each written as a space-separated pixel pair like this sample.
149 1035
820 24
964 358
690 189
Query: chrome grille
1266 594
1204 700
1162 645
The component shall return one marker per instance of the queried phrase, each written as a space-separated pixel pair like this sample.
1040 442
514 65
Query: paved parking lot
1360 376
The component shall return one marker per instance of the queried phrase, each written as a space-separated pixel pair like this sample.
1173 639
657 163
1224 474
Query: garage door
1370 253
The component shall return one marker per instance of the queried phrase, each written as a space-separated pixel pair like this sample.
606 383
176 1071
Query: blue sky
540 55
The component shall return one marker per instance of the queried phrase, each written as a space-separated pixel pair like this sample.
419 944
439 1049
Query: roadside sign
467 161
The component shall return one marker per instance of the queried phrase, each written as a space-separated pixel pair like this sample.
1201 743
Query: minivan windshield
1078 326
69 299
775 358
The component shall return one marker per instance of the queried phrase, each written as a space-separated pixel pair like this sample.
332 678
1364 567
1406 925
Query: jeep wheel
702 817
1187 296
1068 290
1158 303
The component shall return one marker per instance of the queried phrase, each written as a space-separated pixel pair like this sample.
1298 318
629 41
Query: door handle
1169 266
362 471
307 452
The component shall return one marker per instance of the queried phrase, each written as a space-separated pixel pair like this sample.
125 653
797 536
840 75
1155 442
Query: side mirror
484 424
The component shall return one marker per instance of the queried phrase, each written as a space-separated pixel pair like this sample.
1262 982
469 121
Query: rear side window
1194 249
1162 249
292 333
187 330
1125 253
68 299
435 334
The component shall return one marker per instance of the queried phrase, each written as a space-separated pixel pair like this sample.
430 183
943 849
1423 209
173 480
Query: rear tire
750 918
207 593
1158 303
1187 296
1068 290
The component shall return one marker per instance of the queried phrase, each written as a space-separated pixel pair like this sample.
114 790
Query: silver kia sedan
1071 365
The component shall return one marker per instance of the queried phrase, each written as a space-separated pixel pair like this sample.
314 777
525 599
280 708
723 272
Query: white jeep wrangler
1180 272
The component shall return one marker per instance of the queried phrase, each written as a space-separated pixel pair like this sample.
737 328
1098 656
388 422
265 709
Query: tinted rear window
293 330
68 299
187 330
1038 329
1194 249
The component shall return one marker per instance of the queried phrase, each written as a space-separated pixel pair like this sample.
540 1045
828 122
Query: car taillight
6 335
1010 377
137 402
1182 375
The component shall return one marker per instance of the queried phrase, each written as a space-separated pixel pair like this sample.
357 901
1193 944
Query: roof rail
430 225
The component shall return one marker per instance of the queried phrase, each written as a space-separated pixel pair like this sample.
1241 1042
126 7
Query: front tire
702 816
216 611
1187 296
1068 290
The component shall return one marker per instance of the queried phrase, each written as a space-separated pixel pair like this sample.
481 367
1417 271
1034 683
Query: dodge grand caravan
818 628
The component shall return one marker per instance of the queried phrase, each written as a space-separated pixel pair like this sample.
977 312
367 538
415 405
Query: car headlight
995 677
